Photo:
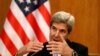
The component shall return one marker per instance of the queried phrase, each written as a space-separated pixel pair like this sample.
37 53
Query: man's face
58 31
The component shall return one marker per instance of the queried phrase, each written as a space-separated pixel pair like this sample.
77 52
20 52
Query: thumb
33 39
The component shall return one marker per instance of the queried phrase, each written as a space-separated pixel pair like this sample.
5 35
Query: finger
50 46
63 40
53 49
36 48
40 45
33 50
53 43
33 39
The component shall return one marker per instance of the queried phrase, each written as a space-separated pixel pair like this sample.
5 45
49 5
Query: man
59 45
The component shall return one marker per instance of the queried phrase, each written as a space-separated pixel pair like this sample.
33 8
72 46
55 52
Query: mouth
57 40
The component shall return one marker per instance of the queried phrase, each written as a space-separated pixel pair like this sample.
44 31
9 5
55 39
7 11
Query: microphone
56 54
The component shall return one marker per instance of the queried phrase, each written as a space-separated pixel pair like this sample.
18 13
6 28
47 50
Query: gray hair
63 17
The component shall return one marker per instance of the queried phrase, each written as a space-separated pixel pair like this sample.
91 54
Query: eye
63 31
53 28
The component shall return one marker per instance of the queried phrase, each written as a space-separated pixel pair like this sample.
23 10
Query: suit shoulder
79 48
76 45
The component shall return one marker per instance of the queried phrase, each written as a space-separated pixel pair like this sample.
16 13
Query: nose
57 33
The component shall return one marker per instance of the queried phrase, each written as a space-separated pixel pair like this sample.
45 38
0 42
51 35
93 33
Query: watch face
75 53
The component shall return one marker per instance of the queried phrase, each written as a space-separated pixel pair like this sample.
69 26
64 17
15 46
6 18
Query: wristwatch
74 53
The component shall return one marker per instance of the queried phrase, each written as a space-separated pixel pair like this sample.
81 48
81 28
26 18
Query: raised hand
60 47
30 47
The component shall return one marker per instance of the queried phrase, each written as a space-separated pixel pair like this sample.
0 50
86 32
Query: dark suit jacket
80 49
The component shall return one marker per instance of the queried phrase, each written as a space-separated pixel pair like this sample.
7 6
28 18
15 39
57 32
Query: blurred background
87 13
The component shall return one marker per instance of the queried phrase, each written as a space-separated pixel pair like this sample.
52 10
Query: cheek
63 34
51 34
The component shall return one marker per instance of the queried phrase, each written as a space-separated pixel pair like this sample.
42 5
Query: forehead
59 25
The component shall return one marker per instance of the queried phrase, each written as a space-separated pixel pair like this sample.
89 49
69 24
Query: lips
56 40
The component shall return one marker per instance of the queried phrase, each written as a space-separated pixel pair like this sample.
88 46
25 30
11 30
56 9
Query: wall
86 12
4 6
99 27
86 30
